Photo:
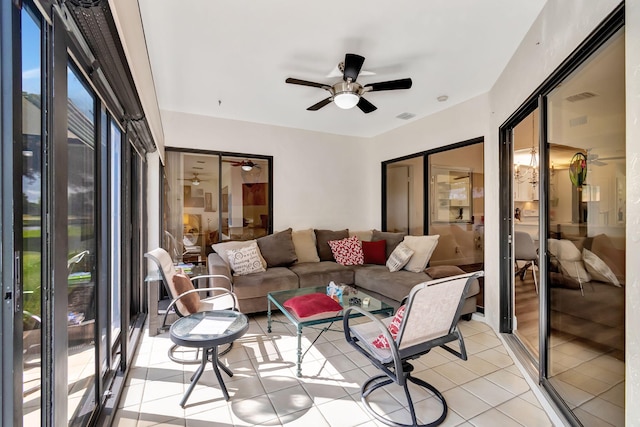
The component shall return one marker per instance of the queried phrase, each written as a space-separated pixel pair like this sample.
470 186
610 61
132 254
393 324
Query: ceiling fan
195 180
246 165
596 160
348 93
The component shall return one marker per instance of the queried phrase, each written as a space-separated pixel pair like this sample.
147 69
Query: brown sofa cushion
322 242
441 271
182 283
277 249
393 239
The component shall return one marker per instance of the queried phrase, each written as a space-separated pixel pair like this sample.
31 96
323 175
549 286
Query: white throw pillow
222 248
598 269
245 260
564 250
570 259
304 243
399 257
423 247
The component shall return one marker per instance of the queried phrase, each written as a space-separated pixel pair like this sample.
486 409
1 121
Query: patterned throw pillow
399 257
394 328
347 251
245 260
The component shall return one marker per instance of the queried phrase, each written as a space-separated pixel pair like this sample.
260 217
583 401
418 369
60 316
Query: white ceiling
230 59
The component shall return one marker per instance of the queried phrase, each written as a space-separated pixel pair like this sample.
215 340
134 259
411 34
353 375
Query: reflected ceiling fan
246 165
348 93
596 160
195 180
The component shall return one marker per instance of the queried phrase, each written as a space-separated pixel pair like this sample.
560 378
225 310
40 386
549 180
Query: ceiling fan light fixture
346 100
247 167
195 181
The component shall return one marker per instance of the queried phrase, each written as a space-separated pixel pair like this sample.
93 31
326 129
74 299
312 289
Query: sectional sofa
305 258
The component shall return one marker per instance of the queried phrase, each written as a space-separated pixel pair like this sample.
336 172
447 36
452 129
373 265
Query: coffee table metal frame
278 299
180 333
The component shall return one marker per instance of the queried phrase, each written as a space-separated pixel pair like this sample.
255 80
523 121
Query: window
212 197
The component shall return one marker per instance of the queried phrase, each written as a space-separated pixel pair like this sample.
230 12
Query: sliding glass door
586 237
440 191
564 231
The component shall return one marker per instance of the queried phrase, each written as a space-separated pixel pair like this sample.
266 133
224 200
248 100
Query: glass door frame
538 99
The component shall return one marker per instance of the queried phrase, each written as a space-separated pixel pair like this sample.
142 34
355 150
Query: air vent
405 116
578 121
580 96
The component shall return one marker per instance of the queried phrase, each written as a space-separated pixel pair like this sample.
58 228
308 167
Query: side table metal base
215 363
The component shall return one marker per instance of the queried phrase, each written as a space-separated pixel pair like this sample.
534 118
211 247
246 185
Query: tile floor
486 390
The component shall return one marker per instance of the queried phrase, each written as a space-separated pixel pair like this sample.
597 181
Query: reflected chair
182 303
431 314
525 250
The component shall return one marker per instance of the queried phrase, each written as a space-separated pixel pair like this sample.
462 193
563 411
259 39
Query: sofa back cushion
304 243
322 242
393 239
277 249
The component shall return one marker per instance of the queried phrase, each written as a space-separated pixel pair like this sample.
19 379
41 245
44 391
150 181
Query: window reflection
586 241
81 310
32 218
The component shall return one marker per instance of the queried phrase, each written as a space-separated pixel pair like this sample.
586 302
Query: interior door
398 178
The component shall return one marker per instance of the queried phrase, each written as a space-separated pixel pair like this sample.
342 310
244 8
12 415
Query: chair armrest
223 277
222 291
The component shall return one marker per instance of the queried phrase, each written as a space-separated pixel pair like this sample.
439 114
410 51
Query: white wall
320 180
632 349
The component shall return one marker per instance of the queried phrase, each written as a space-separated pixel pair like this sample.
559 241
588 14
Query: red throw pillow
375 252
394 328
308 305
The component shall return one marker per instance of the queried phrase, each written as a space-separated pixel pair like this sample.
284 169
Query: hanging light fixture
531 174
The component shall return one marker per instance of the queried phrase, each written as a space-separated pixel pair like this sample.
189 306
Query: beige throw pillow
245 260
423 247
304 242
399 257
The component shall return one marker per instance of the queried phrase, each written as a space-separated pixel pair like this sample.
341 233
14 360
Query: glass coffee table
374 306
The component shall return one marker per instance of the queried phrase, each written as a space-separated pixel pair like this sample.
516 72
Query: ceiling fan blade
390 85
366 106
319 105
352 66
306 83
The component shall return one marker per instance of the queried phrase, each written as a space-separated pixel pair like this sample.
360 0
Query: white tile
290 400
590 420
253 411
525 413
489 392
495 357
456 373
464 403
492 418
334 412
508 381
310 417
217 416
